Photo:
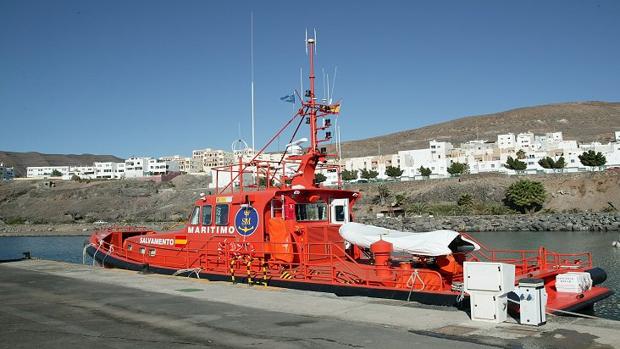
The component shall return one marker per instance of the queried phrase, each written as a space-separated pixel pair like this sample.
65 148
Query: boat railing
314 262
268 174
532 261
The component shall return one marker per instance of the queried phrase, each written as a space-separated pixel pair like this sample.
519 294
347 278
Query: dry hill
22 160
583 121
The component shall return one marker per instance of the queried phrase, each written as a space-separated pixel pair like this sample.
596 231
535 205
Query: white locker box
489 277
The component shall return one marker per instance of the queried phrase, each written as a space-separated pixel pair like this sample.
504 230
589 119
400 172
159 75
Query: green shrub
514 164
465 200
348 175
592 159
393 172
15 220
526 196
457 169
319 178
425 171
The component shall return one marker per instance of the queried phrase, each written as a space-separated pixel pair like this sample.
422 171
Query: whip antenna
316 47
252 71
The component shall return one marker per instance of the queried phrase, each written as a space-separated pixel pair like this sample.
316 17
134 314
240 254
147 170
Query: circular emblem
246 221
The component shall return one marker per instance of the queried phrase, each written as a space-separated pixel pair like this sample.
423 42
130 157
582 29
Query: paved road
50 311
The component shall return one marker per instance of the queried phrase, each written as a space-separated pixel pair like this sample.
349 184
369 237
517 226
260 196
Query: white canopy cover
433 243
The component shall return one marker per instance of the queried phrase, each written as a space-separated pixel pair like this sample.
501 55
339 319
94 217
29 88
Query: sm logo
246 221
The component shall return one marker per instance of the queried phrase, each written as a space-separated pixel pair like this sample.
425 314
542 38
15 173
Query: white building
185 164
84 172
525 141
46 171
210 158
483 156
506 141
372 163
158 167
136 167
480 156
109 170
6 173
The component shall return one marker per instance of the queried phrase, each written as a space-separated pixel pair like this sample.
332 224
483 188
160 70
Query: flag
180 241
288 98
334 108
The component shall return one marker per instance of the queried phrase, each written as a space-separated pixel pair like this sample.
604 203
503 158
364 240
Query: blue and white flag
288 98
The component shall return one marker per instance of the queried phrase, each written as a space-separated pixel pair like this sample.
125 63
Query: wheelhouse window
311 212
206 215
339 213
221 214
276 208
195 218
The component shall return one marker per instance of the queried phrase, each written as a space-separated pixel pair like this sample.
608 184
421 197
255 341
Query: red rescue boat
286 230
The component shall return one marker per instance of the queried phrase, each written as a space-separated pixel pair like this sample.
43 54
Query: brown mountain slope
22 160
583 121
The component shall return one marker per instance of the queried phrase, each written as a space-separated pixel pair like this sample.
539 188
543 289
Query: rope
551 311
461 296
97 250
232 271
86 246
264 265
190 271
248 266
411 281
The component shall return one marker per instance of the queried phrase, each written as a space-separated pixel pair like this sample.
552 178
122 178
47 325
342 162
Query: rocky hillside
574 192
145 201
22 160
586 122
89 201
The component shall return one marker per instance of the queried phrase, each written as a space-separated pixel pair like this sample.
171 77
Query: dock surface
61 305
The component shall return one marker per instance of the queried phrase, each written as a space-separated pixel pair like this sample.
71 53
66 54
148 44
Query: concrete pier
60 305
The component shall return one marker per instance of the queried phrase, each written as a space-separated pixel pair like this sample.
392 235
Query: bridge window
311 212
276 208
206 215
339 213
195 218
221 214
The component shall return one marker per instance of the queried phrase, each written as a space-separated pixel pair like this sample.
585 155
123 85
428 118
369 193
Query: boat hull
569 304
429 298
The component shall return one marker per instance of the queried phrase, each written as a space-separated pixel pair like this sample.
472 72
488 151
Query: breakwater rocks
537 222
72 229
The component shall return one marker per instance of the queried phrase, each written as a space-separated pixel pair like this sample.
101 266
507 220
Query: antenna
325 96
301 82
328 97
306 42
316 50
252 71
333 84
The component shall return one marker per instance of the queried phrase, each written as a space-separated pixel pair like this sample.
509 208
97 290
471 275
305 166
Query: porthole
152 252
129 247
142 250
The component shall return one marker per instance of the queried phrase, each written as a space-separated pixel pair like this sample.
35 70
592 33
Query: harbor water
69 249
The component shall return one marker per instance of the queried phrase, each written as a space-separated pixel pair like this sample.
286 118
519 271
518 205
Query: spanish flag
180 241
334 108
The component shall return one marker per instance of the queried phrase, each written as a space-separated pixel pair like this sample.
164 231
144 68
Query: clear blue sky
165 77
